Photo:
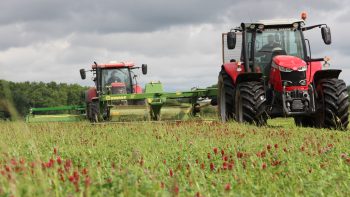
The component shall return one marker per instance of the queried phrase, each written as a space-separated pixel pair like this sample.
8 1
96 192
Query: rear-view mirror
231 40
326 35
82 74
144 69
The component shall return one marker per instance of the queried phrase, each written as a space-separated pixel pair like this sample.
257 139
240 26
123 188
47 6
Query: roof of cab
280 21
114 65
273 23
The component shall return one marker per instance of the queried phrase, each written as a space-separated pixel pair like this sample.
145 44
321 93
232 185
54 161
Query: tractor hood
290 62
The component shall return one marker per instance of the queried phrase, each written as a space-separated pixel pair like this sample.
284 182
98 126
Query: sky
49 40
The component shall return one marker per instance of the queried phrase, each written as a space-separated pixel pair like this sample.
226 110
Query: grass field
165 159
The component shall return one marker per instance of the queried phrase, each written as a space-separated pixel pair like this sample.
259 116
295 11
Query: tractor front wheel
225 98
251 103
95 111
333 104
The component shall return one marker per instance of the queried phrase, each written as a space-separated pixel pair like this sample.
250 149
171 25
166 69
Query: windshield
120 75
284 41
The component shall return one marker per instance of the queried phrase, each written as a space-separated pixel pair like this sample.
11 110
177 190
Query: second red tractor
274 75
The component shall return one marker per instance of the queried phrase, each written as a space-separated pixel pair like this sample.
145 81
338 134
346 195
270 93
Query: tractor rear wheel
333 104
225 101
251 103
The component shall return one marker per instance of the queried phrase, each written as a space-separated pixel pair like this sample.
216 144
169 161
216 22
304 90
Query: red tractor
275 76
110 79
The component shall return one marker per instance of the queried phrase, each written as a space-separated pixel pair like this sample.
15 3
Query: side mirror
82 74
231 40
144 69
326 35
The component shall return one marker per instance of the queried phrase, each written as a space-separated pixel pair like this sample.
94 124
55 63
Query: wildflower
68 165
176 189
275 163
212 167
225 158
224 166
87 181
276 146
230 166
84 171
141 162
343 155
22 161
62 178
244 164
215 150
7 168
59 160
209 156
222 152
239 155
228 187
171 172
52 162
14 162
71 178
268 147
263 166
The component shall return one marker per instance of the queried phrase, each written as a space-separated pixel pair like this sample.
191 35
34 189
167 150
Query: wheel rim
223 104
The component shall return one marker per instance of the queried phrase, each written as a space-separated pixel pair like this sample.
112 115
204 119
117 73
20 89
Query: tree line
24 95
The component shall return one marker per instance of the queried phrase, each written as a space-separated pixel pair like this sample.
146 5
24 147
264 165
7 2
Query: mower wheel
225 100
251 103
333 101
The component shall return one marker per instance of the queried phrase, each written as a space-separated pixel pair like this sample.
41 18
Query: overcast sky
48 40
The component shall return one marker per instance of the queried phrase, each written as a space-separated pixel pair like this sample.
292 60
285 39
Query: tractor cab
265 39
115 78
269 40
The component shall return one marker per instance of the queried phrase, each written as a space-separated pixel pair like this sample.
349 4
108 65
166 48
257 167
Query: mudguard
326 74
90 94
237 74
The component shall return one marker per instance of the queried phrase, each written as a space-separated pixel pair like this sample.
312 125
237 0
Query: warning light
303 15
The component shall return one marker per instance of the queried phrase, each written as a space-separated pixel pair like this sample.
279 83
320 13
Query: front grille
294 78
297 105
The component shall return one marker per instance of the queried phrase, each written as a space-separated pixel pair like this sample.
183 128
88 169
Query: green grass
136 159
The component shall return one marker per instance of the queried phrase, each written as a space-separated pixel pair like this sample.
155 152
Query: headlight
303 68
283 69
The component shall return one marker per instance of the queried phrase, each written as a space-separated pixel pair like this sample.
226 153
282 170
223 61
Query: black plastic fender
326 74
244 77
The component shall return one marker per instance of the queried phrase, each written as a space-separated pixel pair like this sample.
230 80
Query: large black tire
250 103
225 100
95 112
333 104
